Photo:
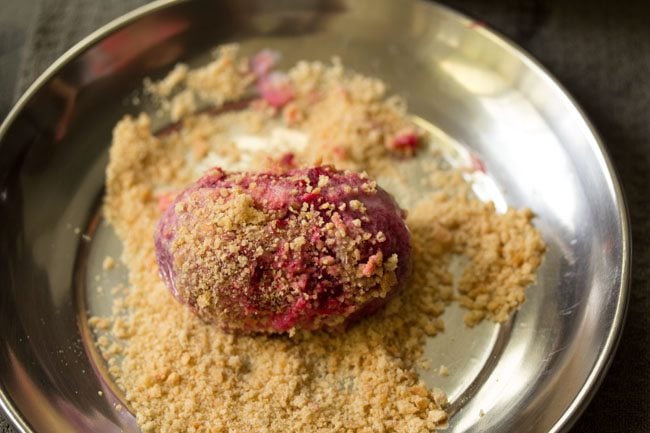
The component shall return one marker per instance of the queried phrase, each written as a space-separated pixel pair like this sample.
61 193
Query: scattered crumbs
100 393
423 364
120 307
503 252
101 323
103 342
108 263
443 371
117 290
439 396
86 237
77 230
481 413
165 86
180 374
182 104
99 289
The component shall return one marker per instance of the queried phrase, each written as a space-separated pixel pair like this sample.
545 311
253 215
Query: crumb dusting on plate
179 374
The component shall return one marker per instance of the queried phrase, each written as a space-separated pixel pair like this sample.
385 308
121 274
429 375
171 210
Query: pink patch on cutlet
309 197
288 320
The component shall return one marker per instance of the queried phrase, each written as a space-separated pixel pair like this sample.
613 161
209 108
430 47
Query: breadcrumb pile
179 374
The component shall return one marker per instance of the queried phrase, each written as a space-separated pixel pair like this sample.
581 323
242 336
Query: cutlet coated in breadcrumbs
314 248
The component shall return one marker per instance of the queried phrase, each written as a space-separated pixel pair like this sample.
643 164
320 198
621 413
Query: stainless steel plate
473 89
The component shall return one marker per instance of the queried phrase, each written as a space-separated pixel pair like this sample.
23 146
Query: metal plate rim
595 378
6 404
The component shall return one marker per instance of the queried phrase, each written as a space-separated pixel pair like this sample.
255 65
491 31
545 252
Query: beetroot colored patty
264 252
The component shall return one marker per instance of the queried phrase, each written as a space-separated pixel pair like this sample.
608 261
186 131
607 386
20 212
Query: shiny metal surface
469 87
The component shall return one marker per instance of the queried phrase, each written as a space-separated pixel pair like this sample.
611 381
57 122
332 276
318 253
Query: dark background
599 50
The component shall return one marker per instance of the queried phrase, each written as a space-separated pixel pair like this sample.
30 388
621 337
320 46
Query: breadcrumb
108 263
